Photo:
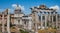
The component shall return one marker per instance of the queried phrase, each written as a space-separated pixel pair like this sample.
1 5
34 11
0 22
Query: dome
18 8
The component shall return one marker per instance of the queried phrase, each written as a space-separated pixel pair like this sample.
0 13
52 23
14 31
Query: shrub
22 31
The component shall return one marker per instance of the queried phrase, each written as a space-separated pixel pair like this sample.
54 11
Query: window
18 21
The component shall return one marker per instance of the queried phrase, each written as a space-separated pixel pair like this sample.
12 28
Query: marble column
52 21
20 21
45 20
49 19
41 21
36 20
3 23
8 22
30 24
56 20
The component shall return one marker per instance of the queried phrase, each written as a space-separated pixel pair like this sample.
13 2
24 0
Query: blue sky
4 4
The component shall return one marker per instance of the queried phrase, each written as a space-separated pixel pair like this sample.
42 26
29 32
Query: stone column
3 23
52 21
30 24
49 19
56 21
41 21
8 22
36 21
20 21
45 20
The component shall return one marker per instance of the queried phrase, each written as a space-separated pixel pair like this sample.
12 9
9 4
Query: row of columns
47 16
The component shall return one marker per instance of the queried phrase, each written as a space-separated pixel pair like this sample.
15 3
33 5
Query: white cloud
56 7
15 5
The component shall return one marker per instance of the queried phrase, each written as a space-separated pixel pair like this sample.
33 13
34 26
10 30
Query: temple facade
44 17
